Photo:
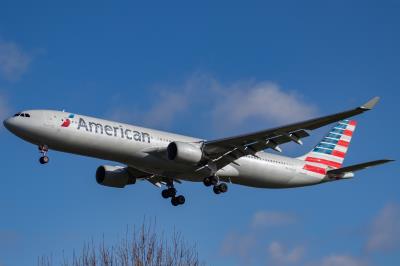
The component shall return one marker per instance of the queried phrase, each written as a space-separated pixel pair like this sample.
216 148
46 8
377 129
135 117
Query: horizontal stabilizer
357 167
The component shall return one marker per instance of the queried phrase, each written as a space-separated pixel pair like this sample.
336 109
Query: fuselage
143 149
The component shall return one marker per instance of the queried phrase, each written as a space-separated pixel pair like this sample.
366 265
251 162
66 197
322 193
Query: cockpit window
22 114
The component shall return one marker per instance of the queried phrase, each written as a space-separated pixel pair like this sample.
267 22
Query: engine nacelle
114 176
183 152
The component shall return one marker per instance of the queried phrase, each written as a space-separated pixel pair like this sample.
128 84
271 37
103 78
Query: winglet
370 104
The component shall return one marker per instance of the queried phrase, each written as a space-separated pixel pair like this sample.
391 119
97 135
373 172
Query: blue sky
209 70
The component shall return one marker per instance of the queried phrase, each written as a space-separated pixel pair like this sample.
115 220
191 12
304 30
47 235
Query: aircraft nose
6 123
9 123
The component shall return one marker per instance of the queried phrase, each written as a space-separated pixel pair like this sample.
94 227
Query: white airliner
165 158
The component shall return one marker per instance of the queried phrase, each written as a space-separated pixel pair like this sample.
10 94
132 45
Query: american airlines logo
112 131
67 121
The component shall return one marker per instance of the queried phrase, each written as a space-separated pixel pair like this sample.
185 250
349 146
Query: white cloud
264 101
342 260
166 110
222 106
13 60
281 255
169 102
238 245
159 115
385 230
272 218
249 244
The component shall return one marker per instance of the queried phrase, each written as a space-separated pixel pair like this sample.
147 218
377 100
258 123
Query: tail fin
332 149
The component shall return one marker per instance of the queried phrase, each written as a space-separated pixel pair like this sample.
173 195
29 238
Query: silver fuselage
130 145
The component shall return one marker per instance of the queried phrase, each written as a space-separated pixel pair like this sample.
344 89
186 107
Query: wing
222 152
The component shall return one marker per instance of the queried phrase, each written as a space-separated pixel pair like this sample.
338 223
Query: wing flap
235 153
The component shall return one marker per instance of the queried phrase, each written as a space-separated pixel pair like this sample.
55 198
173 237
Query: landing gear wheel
207 181
216 190
165 194
214 180
180 199
168 193
44 159
223 187
174 201
171 192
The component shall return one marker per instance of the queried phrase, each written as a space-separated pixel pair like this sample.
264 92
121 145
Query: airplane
165 159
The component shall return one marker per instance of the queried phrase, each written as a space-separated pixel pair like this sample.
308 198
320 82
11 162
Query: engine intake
183 152
114 176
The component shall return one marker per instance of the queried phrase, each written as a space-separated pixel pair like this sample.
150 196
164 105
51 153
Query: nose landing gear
43 149
170 192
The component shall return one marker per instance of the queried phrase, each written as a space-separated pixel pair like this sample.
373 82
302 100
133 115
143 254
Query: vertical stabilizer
331 151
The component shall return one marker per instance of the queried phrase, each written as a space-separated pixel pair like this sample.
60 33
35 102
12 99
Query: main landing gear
218 187
43 149
170 192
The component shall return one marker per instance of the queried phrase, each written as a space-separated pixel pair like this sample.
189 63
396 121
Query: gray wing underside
156 180
138 173
141 175
222 152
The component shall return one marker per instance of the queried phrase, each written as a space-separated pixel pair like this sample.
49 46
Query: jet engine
114 176
183 152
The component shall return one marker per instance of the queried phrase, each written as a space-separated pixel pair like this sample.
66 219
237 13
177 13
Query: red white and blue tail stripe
330 152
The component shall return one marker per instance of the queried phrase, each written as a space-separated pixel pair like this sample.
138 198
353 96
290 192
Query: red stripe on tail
338 153
323 161
314 169
348 133
343 143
